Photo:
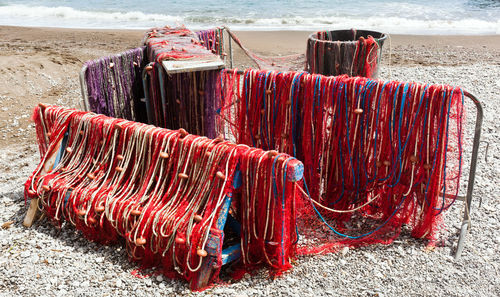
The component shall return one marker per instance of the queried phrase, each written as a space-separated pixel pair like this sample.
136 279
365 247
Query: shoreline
43 64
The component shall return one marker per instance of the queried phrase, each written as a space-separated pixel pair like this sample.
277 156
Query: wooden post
32 213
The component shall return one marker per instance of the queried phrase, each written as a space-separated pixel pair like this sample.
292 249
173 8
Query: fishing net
164 191
113 84
377 154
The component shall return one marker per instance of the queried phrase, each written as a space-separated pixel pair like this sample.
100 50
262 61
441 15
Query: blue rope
349 236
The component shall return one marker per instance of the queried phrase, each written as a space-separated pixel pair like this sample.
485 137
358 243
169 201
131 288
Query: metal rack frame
466 221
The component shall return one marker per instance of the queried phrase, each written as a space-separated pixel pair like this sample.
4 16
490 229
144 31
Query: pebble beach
42 65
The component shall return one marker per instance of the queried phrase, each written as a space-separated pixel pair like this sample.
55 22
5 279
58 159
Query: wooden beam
49 165
32 213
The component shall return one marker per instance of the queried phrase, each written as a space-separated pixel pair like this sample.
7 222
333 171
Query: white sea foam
24 15
69 17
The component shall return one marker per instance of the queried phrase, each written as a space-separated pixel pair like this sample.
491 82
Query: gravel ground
45 261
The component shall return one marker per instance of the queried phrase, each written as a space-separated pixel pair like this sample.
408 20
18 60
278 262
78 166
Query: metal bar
163 91
472 172
452 196
230 50
149 112
83 88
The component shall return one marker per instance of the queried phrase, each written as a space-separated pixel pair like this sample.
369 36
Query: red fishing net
164 191
177 43
377 154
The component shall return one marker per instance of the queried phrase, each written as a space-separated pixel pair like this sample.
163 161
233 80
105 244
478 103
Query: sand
42 65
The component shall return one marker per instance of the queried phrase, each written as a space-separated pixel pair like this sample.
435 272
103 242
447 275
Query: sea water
398 17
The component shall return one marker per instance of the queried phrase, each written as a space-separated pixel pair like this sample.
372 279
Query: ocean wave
24 15
85 17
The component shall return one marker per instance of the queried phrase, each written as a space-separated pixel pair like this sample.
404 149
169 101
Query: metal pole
146 93
83 86
163 91
466 222
230 50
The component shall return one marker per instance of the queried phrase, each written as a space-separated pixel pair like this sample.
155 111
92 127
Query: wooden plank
50 163
172 66
214 244
231 254
32 213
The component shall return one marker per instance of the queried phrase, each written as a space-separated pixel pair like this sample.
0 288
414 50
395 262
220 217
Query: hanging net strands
164 192
377 152
186 98
113 86
213 40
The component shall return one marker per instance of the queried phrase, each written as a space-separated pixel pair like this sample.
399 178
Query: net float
272 153
201 253
91 220
183 133
136 212
219 138
140 241
221 175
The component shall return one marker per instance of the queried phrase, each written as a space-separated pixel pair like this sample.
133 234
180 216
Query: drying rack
467 198
217 256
